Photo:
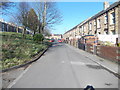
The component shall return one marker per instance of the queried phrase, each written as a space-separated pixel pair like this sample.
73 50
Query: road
64 67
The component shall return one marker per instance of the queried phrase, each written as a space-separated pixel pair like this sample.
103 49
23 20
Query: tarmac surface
64 66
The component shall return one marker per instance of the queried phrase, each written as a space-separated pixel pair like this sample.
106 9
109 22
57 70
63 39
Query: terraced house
105 25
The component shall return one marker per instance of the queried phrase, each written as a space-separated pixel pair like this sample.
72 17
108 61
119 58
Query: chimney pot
106 5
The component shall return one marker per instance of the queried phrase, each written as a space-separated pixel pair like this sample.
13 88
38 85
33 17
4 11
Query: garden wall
109 52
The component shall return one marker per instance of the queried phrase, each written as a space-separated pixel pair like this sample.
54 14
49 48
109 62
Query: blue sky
73 13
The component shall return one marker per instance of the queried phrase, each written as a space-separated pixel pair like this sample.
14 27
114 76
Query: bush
38 37
16 50
118 45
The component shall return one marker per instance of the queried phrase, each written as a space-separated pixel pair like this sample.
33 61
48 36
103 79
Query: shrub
38 37
118 45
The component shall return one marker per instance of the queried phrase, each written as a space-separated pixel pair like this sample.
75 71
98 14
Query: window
106 19
94 22
106 31
82 28
90 26
3 26
7 27
95 32
99 32
79 30
113 32
98 23
112 18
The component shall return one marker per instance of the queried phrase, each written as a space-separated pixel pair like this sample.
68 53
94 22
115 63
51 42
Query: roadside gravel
10 76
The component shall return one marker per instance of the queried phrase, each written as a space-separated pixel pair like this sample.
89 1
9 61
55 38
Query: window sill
112 24
99 28
105 23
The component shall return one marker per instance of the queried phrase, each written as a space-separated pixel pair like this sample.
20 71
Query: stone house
105 25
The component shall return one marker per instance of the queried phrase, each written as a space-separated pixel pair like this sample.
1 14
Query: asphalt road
63 67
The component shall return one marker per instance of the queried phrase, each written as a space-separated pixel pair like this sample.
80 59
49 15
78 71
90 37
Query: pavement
9 76
64 66
112 66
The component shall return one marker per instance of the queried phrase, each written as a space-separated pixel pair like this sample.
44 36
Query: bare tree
22 15
48 14
47 32
5 6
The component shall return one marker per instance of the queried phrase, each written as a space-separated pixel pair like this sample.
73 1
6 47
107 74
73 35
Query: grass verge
17 51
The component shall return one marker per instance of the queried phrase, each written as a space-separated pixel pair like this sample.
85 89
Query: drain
95 66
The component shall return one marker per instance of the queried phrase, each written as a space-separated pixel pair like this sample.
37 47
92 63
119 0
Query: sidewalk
112 66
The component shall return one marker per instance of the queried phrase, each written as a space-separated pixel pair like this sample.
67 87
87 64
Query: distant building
10 27
7 27
56 36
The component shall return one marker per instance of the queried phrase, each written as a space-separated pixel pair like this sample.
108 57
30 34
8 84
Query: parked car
59 40
51 40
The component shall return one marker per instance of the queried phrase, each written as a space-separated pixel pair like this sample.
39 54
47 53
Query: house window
82 28
99 33
98 23
106 19
79 31
113 32
95 32
3 27
90 26
7 27
112 18
106 31
94 22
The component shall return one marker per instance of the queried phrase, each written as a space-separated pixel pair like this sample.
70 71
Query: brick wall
89 48
108 52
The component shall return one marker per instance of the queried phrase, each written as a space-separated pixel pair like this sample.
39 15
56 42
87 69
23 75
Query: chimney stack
106 5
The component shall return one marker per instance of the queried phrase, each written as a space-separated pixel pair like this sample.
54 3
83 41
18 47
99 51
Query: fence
107 52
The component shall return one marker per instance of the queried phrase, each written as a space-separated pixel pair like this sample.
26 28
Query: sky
73 13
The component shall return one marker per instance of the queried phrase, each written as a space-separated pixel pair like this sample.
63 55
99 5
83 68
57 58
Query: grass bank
17 51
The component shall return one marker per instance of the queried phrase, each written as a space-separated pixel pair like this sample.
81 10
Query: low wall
108 52
89 48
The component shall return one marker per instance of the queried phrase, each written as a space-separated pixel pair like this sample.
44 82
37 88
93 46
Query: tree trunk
24 32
